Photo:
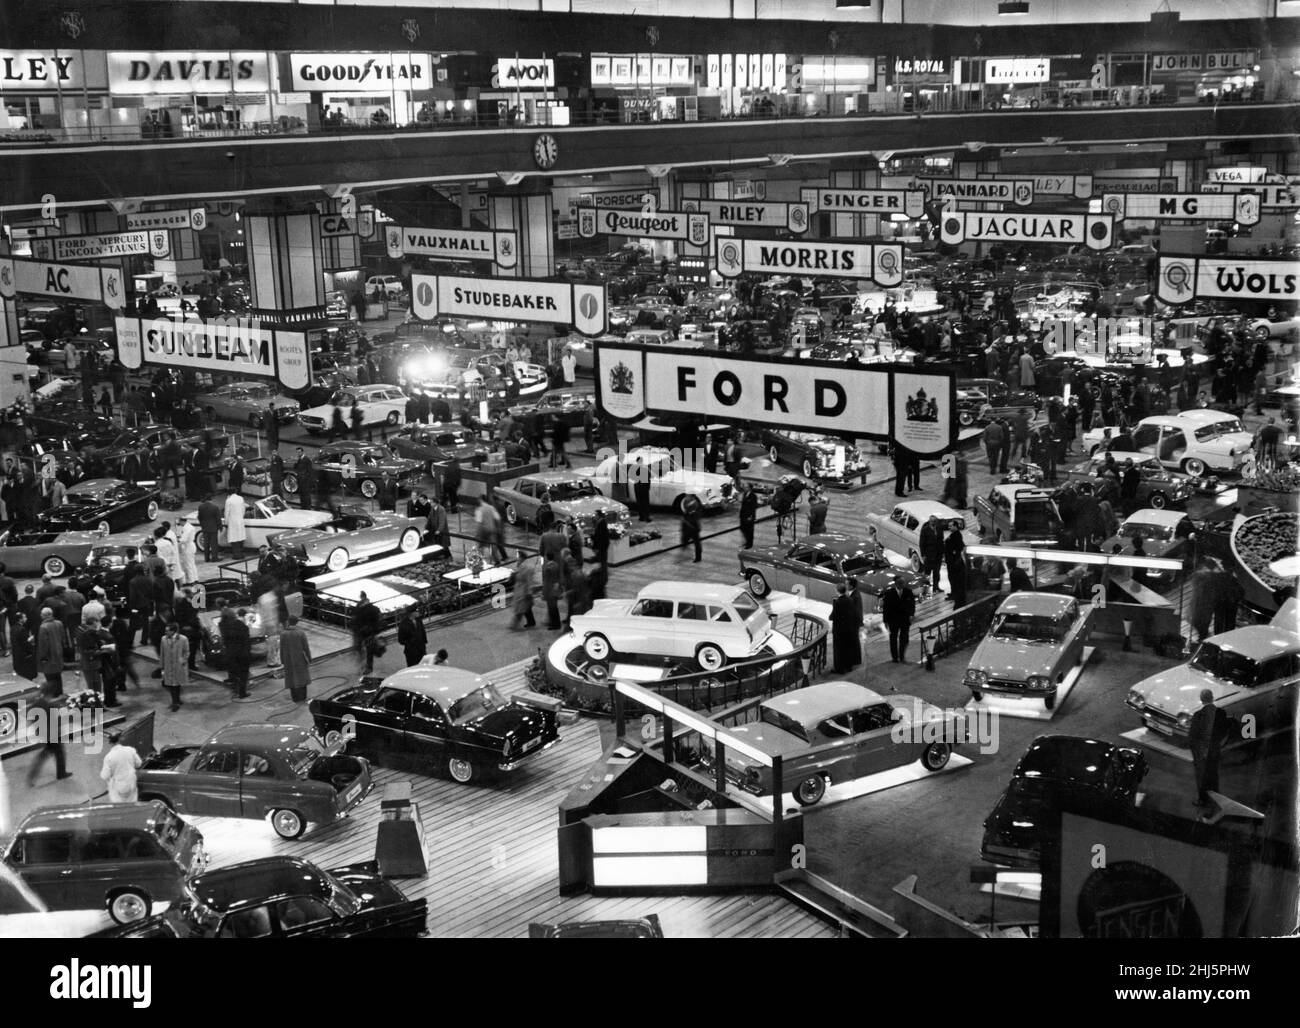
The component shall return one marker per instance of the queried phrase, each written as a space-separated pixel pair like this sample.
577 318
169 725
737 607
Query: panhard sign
865 201
1077 186
1239 207
753 213
195 218
1182 279
1091 230
155 242
453 244
233 346
582 306
360 72
880 262
694 228
1019 191
880 401
67 281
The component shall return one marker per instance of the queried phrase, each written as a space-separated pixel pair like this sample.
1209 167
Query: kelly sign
694 228
1019 191
92 248
880 262
193 217
753 213
231 346
865 201
1239 207
1182 279
1077 186
453 244
1092 230
511 299
66 281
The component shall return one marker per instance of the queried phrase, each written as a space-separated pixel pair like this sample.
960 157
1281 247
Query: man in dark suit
210 523
139 596
640 474
303 469
1205 736
1020 581
897 607
931 543
748 514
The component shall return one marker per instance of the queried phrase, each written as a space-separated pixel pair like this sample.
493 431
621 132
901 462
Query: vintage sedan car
74 424
378 404
1019 512
1157 487
437 716
359 467
1196 442
144 441
286 898
819 564
256 771
213 647
1164 533
16 695
437 443
568 406
351 534
716 624
119 857
450 371
107 564
270 515
1091 773
975 394
47 456
42 551
670 481
1252 671
1035 639
573 498
246 403
900 530
815 455
837 731
647 927
103 505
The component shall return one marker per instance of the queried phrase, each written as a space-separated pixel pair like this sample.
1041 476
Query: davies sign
360 72
582 306
880 262
201 71
1092 230
1182 279
453 244
694 228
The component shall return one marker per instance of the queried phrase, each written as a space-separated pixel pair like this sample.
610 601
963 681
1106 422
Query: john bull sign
881 402
1272 196
1240 207
581 306
880 262
753 213
694 228
65 281
865 201
1018 191
156 243
1183 279
1091 230
232 346
502 248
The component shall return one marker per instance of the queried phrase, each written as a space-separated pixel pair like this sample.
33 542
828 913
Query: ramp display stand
1032 708
399 846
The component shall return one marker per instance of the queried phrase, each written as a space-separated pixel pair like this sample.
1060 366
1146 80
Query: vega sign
1240 207
453 244
1092 230
880 262
694 228
511 299
1183 279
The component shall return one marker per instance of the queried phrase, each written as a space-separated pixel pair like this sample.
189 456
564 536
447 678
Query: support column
285 270
529 215
849 226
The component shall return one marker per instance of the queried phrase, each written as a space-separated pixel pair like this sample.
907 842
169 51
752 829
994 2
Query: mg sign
1092 230
880 262
1240 207
694 228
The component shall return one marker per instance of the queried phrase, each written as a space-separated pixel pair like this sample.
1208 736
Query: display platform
326 641
1160 743
1032 708
856 787
1029 888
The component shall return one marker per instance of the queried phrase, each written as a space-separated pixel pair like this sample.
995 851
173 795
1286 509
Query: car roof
1046 604
924 508
1014 489
839 542
1205 414
1177 420
1259 642
95 485
256 881
263 734
442 683
549 477
691 591
816 703
100 815
1151 516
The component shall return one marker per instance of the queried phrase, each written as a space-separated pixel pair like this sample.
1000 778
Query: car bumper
1161 723
522 758
1013 688
1010 856
312 424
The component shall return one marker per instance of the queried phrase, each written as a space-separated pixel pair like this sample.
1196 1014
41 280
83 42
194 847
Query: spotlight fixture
1013 8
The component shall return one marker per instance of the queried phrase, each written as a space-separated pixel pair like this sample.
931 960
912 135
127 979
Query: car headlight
974 676
1136 699
1037 681
1184 720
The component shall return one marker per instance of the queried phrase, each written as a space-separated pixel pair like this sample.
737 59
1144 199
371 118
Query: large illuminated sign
188 217
523 73
156 243
651 224
1019 191
146 73
233 346
360 72
511 299
880 262
1182 279
1094 231
753 213
1017 70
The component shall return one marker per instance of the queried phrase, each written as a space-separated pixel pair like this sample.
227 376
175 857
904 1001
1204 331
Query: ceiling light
1012 8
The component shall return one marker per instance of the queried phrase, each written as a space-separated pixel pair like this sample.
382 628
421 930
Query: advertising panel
1019 191
191 217
230 346
555 303
66 281
880 262
1239 207
1182 279
753 213
360 72
694 228
150 73
500 247
523 73
865 201
1092 230
112 244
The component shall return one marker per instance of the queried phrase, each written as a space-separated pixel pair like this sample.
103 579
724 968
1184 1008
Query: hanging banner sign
1160 184
1236 173
92 248
1182 279
1239 207
752 213
1019 191
360 72
1213 61
916 409
332 226
880 262
233 346
66 281
1273 197
522 73
629 199
504 299
1092 230
453 244
1077 186
694 228
194 217
176 72
1017 70
865 201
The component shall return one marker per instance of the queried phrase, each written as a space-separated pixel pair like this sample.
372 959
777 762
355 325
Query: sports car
270 515
670 482
437 443
1157 487
837 731
74 424
1035 639
573 498
819 564
246 403
816 456
41 551
360 467
144 441
900 530
103 505
437 716
352 534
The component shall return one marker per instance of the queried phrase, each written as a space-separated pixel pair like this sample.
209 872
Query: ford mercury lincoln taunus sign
1091 230
880 262
90 248
231 346
694 228
519 299
1183 279
453 244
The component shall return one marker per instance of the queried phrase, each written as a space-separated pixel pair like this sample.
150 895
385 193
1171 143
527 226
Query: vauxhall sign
694 228
453 244
880 262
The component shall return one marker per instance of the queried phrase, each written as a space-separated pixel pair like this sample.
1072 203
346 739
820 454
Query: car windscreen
168 828
1157 533
745 606
482 700
274 505
83 497
1028 628
862 562
571 490
1229 665
784 722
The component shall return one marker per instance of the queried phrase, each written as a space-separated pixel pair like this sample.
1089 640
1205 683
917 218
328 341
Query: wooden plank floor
492 853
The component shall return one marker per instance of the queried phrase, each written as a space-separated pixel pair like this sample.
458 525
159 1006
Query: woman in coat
174 651
412 637
295 655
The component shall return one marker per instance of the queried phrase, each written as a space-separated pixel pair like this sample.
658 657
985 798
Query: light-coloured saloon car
670 481
1035 639
900 529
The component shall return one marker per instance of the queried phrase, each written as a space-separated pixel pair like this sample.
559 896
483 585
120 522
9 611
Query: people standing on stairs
897 608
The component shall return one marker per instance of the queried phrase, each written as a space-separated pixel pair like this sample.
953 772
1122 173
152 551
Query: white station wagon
709 623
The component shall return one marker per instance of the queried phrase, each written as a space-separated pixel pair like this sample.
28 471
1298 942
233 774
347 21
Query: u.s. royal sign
454 244
231 346
880 262
582 306
647 224
1182 279
1091 230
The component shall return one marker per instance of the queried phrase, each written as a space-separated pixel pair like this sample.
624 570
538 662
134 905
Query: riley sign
753 213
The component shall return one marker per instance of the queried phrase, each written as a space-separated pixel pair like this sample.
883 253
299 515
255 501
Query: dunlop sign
1077 186
232 346
1091 230
69 281
1239 207
866 201
880 262
694 228
1019 191
1182 279
511 299
753 213
195 218
92 248
453 244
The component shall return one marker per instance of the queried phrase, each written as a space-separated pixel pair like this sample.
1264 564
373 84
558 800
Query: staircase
855 918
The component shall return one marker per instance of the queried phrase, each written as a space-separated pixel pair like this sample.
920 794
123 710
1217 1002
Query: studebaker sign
516 299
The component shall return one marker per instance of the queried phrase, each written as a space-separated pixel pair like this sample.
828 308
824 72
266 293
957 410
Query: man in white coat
235 531
120 764
189 551
169 552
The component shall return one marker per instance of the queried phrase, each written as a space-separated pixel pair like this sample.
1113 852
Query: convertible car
1034 641
438 715
256 771
572 497
103 505
352 534
360 467
15 694
43 551
270 515
820 564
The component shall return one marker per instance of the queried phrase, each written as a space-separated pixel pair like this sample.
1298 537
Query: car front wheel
290 483
338 559
104 528
410 541
369 488
54 567
597 647
1159 500
512 514
772 454
756 581
810 790
288 824
1194 467
807 468
935 756
128 906
393 417
151 512
710 657
461 770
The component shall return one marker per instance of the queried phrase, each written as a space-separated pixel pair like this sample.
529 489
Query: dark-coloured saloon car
821 563
103 505
437 443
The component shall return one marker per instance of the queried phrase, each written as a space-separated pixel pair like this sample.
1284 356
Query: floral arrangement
474 562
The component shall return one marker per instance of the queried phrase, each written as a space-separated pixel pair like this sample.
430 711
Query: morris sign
511 299
880 262
1182 279
1092 230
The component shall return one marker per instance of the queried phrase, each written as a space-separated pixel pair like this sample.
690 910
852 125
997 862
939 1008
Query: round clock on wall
546 151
